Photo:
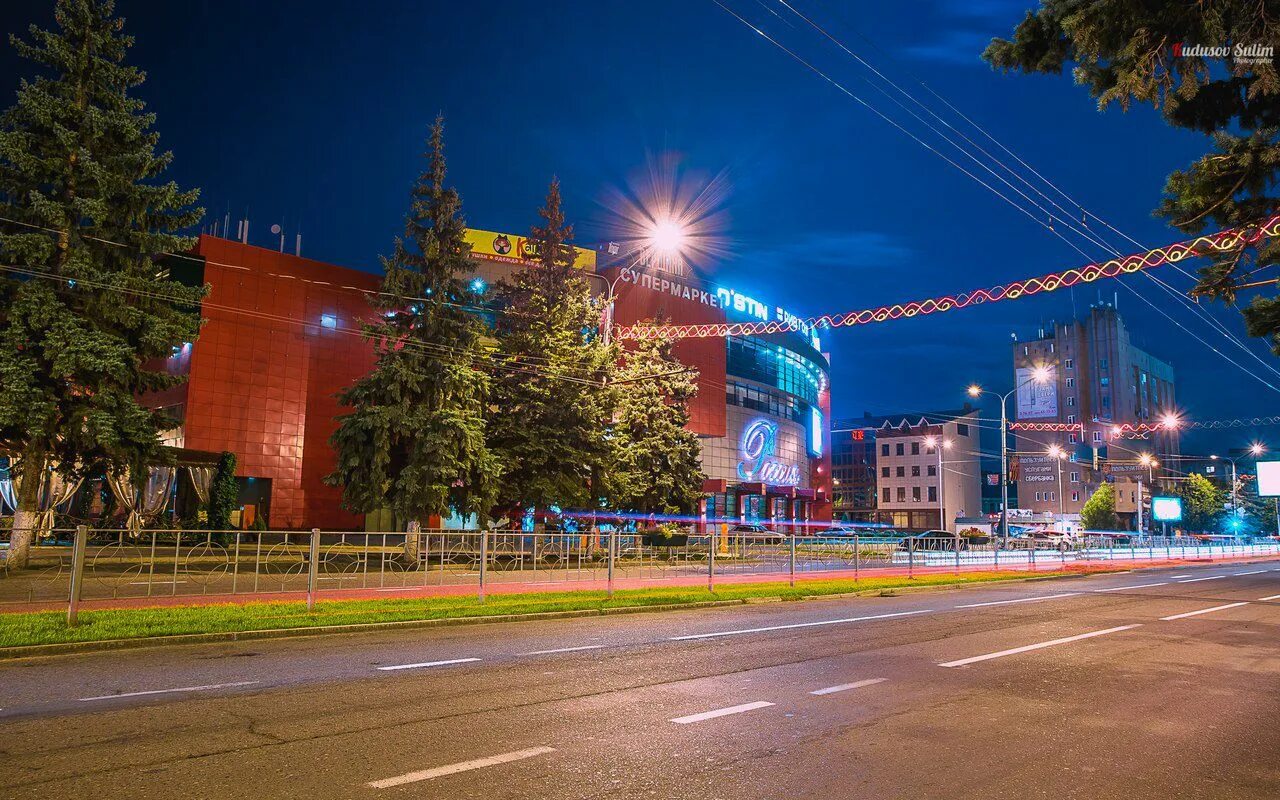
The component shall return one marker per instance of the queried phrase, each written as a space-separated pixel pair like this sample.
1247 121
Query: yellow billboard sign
511 249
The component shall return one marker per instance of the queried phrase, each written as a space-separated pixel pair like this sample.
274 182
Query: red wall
264 378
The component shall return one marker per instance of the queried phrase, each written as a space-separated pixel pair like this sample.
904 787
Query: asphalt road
1100 687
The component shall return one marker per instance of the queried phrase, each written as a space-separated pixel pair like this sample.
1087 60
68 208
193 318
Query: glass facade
775 365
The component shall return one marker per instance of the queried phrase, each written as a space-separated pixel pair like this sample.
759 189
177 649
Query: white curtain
8 491
145 503
54 491
201 480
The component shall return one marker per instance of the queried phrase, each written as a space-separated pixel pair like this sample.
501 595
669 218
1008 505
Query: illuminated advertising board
815 432
1037 400
760 463
1269 478
511 249
1166 509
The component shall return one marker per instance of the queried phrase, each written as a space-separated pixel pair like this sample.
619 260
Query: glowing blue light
478 285
328 321
815 431
1166 509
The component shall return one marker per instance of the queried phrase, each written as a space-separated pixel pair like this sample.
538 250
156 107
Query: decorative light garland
1222 240
1142 430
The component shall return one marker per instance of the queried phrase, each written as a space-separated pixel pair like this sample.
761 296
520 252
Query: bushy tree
1099 512
224 493
551 401
91 312
1202 503
1259 513
655 465
1127 51
414 440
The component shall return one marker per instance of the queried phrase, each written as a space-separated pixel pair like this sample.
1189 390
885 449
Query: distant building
886 471
1099 380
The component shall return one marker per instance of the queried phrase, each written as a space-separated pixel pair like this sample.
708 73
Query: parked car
756 530
1045 540
944 541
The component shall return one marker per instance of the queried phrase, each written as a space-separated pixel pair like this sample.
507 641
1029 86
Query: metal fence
71 565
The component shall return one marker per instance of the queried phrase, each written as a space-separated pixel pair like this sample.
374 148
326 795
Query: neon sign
759 447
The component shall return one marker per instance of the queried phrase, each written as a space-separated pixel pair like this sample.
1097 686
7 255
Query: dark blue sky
315 114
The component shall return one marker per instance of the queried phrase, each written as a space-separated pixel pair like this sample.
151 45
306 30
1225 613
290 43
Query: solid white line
170 691
796 625
721 712
1027 648
563 650
429 664
846 686
1252 572
463 766
1272 597
1203 611
1210 578
1139 586
1022 600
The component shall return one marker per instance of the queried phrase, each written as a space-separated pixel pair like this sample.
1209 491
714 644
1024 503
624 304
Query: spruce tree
655 467
1099 512
89 313
1126 51
551 397
414 441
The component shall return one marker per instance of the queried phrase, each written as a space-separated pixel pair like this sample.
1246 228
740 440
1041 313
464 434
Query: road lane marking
1210 578
1252 572
721 712
1038 646
1021 600
1139 586
1272 597
462 766
563 650
170 691
1203 611
846 686
1183 575
796 625
429 664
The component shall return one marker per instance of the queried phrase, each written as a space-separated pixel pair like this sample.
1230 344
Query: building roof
869 420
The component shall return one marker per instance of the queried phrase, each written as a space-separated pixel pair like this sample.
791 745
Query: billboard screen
1037 400
1166 509
512 249
1269 478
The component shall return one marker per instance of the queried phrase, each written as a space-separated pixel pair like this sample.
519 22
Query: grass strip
50 627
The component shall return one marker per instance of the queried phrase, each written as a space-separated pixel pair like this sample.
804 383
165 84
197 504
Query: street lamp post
1058 454
1256 449
1038 375
666 237
939 445
1150 463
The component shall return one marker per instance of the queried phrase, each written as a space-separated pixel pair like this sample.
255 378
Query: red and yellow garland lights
1222 240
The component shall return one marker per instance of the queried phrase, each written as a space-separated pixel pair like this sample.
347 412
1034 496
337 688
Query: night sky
314 114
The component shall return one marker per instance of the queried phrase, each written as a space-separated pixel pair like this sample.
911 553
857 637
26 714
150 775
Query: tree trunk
24 519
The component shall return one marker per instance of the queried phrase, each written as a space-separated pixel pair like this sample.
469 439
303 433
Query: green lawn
49 627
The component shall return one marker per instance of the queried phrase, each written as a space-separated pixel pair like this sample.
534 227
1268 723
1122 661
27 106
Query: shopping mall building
282 339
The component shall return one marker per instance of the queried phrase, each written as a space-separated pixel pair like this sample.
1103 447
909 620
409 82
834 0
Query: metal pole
612 543
1004 470
77 574
857 551
484 559
1061 511
711 560
911 556
313 569
792 558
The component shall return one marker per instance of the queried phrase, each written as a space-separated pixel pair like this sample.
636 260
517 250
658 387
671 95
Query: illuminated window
328 321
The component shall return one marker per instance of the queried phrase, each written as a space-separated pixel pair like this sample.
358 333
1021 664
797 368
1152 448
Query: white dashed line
1272 597
1210 578
847 686
170 691
721 712
563 650
429 664
1139 586
1203 611
462 766
1252 572
1039 646
1022 600
796 625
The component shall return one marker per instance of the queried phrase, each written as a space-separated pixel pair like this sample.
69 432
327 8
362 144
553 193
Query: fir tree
85 324
551 398
414 441
655 466
1099 512
1124 52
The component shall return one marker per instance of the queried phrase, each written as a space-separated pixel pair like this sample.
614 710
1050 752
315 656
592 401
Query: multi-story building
928 468
853 468
1095 382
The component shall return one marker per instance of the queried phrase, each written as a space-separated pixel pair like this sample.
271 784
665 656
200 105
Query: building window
899 449
1097 436
886 494
884 472
902 494
1071 382
1038 496
915 471
962 429
1071 419
1075 497
933 470
1050 495
902 472
1072 439
1102 364
915 448
1070 363
1071 400
884 449
1075 477
1106 401
933 494
1105 381
915 494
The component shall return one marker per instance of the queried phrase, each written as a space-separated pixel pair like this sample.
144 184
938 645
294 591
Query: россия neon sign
759 448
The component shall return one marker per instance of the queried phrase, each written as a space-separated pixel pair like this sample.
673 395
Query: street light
1234 505
1040 374
933 443
1057 454
666 238
1149 461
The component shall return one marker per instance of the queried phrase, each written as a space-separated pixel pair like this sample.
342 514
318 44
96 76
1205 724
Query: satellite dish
275 228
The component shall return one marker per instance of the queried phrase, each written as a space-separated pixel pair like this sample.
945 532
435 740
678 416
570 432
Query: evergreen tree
1099 512
414 441
1202 503
85 324
551 395
224 493
1128 51
655 466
